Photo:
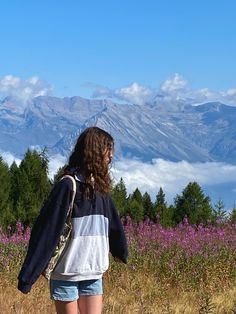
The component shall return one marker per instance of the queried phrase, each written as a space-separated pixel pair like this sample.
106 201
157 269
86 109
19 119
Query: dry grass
126 292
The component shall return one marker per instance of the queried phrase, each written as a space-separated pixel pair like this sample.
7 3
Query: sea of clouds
171 176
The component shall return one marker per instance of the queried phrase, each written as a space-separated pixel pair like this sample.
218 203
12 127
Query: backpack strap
69 213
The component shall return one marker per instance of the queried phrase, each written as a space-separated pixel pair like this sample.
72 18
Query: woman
76 281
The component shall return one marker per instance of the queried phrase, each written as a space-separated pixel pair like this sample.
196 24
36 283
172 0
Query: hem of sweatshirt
75 277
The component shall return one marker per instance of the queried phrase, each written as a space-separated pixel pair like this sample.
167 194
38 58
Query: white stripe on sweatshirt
86 255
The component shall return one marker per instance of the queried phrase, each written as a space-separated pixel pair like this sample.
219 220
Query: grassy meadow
186 269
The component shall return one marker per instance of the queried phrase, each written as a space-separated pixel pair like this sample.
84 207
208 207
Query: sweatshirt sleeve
45 234
117 238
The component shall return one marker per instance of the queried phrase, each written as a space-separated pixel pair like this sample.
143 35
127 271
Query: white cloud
171 176
55 162
174 84
228 96
9 158
177 89
174 92
134 93
23 90
99 90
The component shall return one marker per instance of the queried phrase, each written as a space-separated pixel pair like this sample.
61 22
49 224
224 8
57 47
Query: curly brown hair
88 158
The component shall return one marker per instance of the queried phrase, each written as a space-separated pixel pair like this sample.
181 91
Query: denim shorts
71 290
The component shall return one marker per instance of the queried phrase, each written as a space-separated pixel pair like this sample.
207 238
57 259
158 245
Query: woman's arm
117 238
45 234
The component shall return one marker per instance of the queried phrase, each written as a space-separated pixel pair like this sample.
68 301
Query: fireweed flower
183 249
13 246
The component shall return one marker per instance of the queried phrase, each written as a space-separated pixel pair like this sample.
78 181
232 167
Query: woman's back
86 253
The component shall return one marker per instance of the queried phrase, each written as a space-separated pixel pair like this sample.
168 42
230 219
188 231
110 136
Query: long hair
88 158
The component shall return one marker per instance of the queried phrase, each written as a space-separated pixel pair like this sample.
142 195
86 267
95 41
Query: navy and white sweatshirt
96 230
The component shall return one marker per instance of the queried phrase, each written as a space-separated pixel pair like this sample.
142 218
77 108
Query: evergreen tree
119 197
193 204
233 215
33 185
135 210
135 206
137 196
15 179
219 212
148 207
166 219
4 191
160 199
5 185
161 206
58 174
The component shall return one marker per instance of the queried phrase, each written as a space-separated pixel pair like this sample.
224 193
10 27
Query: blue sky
116 43
128 50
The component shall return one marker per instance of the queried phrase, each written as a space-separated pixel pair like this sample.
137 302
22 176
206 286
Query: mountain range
205 132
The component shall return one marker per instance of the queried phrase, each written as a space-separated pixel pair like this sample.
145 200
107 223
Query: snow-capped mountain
194 133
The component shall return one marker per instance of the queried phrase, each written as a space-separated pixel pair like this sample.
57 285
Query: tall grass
187 269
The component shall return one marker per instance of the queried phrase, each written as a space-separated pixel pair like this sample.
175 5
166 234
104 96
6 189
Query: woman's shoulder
65 183
106 199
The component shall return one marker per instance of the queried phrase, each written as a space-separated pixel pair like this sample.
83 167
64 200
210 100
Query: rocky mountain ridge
194 133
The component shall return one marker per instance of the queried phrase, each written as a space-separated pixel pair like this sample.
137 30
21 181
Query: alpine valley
201 133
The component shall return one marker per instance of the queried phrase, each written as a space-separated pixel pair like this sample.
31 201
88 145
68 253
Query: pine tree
219 212
148 207
135 210
164 212
135 206
4 191
160 205
15 179
193 204
137 196
58 174
5 185
33 185
166 219
233 215
119 197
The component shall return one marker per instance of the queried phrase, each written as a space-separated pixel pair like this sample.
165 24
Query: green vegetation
24 188
181 256
183 269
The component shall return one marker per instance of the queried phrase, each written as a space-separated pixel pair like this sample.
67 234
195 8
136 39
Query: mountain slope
200 133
